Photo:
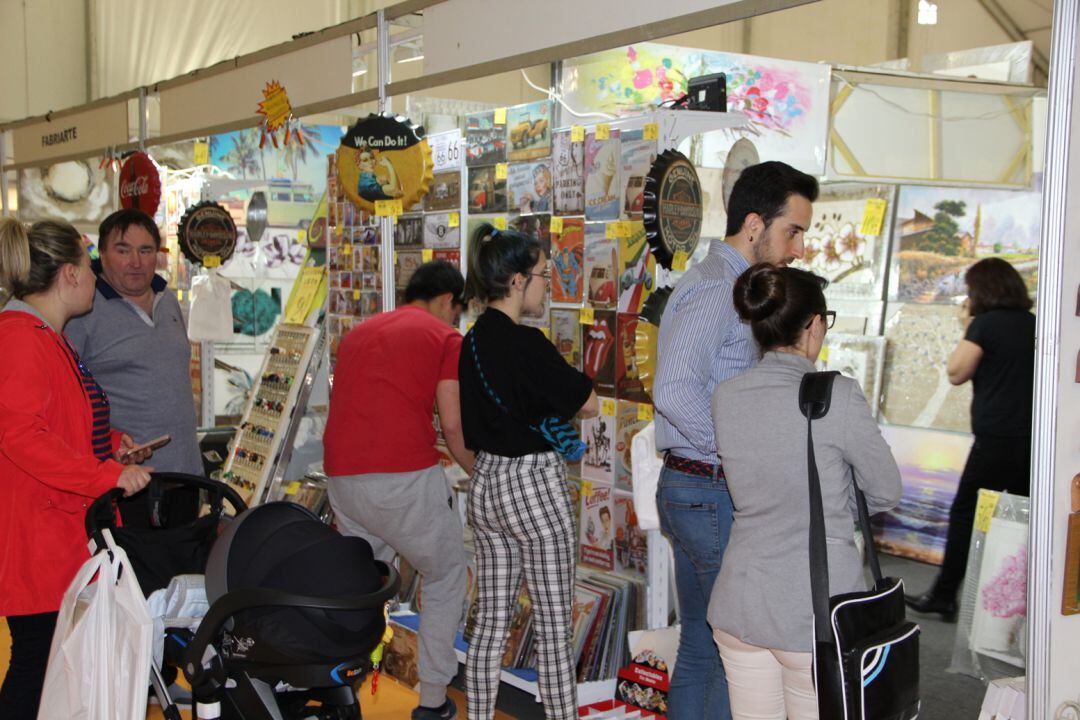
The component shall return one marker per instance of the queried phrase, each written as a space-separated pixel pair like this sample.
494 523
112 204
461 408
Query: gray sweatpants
410 514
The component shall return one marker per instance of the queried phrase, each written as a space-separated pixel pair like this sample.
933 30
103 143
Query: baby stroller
295 608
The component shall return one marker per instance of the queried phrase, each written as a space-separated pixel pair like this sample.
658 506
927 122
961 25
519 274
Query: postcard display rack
580 190
263 443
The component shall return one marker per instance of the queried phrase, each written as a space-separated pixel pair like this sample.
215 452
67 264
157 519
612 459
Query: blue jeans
695 515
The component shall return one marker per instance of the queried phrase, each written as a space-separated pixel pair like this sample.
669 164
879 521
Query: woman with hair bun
57 451
517 398
761 610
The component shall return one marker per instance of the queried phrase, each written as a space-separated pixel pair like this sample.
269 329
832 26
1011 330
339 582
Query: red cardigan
48 474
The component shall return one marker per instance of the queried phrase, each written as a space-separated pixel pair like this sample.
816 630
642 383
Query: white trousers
765 684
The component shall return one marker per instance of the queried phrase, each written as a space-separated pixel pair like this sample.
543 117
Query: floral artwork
941 231
786 102
836 247
858 357
998 625
916 387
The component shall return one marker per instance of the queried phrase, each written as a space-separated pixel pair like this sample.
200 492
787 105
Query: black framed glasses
828 317
546 275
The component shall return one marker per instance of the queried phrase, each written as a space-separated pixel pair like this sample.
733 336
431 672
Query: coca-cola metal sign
140 183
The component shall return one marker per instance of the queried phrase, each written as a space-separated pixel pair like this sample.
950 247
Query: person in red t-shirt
386 483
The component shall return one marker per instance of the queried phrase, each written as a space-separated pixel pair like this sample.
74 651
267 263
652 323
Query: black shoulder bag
866 654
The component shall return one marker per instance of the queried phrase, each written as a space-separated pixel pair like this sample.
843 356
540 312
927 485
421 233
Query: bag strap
815 397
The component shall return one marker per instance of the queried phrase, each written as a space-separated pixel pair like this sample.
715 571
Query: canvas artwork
628 423
485 142
568 169
836 247
409 231
786 102
438 234
859 357
597 528
598 433
602 161
999 625
77 191
567 262
637 270
528 187
628 383
528 130
930 464
916 387
940 232
598 361
487 193
566 335
636 159
631 548
601 267
444 193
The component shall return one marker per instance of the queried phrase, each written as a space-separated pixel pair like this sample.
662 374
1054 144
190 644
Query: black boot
930 603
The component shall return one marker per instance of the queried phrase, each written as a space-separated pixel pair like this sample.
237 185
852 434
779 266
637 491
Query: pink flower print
1006 593
631 53
643 79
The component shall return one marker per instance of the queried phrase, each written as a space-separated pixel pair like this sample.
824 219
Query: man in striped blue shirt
702 343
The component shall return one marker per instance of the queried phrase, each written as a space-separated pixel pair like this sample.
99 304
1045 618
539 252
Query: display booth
298 189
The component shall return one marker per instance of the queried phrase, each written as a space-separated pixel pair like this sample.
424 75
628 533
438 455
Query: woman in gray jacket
760 610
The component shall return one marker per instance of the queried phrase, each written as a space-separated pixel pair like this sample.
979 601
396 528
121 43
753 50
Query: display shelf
263 442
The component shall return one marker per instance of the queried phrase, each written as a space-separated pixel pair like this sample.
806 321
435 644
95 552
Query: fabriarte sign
86 132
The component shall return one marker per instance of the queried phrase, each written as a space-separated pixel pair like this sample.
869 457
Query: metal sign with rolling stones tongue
384 157
140 183
672 211
207 234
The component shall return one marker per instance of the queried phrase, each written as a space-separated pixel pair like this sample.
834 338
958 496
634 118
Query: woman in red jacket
57 451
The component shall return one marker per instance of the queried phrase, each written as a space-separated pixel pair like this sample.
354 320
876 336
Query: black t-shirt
1004 380
528 375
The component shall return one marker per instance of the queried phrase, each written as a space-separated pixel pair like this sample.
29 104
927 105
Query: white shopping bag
99 663
645 465
210 317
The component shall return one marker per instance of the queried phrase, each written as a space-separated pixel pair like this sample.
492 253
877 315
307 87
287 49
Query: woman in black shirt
998 355
514 385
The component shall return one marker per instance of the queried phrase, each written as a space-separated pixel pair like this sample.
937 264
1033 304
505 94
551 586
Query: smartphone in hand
154 444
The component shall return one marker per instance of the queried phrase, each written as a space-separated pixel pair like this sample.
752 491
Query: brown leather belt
693 467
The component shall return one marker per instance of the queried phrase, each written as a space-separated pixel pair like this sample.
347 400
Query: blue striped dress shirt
702 343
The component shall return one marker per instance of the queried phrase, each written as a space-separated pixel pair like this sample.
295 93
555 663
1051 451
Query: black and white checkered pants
519 510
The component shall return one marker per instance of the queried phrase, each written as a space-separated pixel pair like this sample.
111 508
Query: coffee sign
140 183
207 234
672 210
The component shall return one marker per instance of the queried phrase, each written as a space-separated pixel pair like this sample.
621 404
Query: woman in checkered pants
517 394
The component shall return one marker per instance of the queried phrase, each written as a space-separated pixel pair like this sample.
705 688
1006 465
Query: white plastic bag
645 466
210 318
99 663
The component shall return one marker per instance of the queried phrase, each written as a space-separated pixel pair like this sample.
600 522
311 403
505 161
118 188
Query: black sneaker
446 711
930 603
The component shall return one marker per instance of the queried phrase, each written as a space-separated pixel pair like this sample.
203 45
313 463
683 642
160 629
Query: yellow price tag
984 511
339 229
652 131
211 261
500 171
301 237
427 254
617 230
577 133
355 294
292 488
346 248
556 224
823 356
395 257
180 295
586 488
607 406
468 326
587 316
603 131
873 217
500 116
455 220
499 222
202 153
644 412
388 208
679 260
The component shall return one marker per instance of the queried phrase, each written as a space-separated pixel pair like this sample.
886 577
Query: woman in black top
998 355
512 380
